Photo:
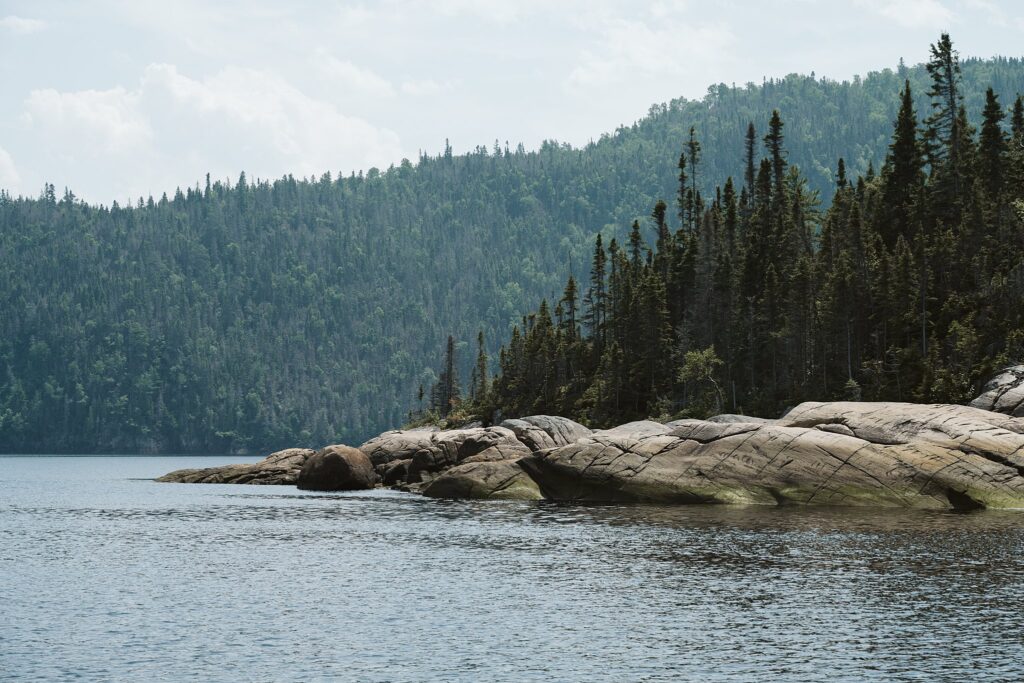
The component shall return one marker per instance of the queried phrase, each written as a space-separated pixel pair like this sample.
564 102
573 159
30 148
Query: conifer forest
798 239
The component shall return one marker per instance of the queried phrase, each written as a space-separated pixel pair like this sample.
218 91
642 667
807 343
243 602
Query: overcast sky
122 98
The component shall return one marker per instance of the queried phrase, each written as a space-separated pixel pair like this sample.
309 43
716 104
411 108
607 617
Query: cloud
628 48
172 128
21 24
8 173
425 87
108 120
258 114
496 11
352 79
912 13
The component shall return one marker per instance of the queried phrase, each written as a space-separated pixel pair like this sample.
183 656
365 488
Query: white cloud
628 48
425 87
21 24
497 11
353 79
9 177
171 129
104 120
912 13
251 110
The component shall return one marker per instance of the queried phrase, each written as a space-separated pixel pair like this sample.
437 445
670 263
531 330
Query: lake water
105 575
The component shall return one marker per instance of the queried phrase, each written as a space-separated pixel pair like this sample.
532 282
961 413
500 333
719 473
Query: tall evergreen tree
992 147
902 174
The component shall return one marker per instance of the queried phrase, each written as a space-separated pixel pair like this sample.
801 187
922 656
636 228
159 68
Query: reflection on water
105 575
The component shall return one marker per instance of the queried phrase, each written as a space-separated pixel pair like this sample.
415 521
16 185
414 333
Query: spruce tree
480 387
992 147
943 136
694 204
902 174
776 152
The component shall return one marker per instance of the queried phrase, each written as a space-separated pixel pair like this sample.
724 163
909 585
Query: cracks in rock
732 452
506 483
846 463
718 437
835 471
992 456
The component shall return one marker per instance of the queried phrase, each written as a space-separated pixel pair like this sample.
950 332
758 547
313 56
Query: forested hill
248 315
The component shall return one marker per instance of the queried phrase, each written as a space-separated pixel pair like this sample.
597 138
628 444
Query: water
105 575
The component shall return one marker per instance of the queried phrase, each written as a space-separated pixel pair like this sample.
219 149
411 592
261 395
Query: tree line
253 314
909 287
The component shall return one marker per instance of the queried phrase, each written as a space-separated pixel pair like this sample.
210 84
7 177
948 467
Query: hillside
251 316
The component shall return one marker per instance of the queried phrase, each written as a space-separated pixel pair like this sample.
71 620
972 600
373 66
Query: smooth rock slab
540 432
866 454
435 451
496 480
280 468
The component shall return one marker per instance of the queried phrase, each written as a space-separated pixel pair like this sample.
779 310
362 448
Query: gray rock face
433 451
280 468
412 457
337 468
636 429
866 454
498 480
727 418
397 445
1004 393
539 432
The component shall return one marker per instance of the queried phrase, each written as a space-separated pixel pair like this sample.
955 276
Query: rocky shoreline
843 454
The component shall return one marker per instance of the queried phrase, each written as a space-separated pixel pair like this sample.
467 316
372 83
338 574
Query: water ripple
105 575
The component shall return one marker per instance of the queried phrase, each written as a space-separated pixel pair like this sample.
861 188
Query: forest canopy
255 314
910 287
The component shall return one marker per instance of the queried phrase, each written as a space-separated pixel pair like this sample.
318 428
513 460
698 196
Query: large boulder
337 468
1004 393
540 432
280 468
497 480
864 454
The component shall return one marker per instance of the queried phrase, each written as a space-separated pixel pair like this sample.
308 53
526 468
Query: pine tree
569 299
942 130
480 387
596 298
992 147
902 174
683 195
663 246
776 153
694 204
750 148
445 395
1017 118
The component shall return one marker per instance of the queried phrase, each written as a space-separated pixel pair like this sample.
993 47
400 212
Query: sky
117 99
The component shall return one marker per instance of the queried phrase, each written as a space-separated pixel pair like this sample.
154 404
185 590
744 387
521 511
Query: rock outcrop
497 480
540 432
877 454
337 468
1004 393
280 468
424 453
843 453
